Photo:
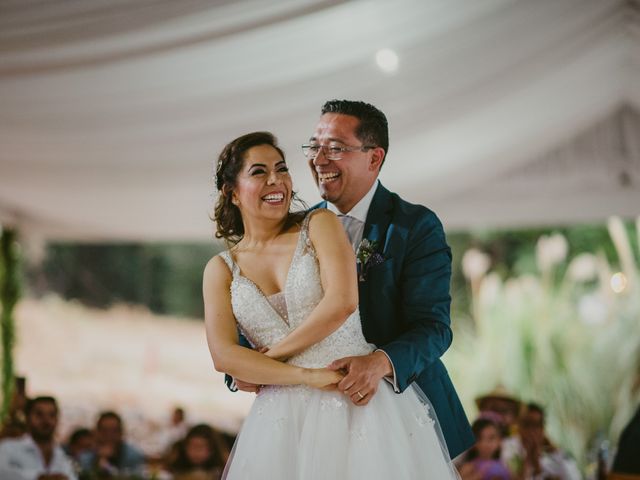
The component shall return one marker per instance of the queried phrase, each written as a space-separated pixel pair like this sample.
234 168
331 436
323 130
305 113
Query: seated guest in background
482 461
628 457
80 441
175 431
501 403
504 409
112 455
202 454
535 457
36 455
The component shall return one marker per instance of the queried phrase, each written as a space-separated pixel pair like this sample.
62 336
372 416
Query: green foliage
166 278
512 252
9 294
558 335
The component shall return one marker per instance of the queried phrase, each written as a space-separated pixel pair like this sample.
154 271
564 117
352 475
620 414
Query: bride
288 283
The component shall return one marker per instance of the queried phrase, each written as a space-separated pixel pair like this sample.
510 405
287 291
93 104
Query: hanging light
387 60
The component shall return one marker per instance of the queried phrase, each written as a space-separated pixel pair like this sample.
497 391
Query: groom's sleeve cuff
232 386
389 378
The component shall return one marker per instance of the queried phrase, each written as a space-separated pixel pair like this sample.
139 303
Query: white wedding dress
297 432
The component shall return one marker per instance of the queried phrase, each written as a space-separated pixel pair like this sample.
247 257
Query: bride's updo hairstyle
227 215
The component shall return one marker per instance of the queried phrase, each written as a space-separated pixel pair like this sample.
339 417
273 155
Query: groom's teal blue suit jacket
405 305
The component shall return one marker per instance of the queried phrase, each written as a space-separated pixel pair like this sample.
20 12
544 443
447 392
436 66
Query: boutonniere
366 257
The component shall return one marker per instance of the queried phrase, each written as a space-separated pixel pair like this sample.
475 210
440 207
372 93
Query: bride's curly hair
227 215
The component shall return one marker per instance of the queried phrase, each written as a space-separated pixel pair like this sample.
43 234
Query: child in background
201 455
482 461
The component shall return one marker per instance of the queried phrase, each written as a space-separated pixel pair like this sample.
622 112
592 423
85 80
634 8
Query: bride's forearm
254 367
325 319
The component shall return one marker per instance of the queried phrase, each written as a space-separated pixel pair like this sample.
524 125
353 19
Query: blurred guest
112 455
502 404
482 461
535 457
229 440
178 421
504 409
175 431
80 441
36 455
202 454
628 456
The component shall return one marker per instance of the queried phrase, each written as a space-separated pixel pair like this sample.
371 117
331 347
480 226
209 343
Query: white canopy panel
502 112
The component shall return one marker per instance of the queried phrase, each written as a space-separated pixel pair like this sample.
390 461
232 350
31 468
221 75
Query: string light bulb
387 60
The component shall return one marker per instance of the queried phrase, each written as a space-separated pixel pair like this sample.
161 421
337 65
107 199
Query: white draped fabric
502 112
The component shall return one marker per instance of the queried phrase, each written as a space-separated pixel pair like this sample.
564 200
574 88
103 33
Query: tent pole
9 294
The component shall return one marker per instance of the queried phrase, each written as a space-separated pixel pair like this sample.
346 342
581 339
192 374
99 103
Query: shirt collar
29 442
361 208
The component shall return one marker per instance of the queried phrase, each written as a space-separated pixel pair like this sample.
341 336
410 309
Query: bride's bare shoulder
216 271
324 226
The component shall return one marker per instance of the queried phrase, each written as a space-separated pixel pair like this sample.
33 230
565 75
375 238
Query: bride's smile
274 198
264 186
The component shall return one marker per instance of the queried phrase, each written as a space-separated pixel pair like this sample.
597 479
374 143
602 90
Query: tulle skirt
302 433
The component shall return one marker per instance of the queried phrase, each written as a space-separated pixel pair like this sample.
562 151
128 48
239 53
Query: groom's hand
247 387
362 375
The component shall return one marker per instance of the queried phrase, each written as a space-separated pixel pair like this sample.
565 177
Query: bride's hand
322 378
272 353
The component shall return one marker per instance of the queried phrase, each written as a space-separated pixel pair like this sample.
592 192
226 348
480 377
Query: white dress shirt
21 459
359 215
556 463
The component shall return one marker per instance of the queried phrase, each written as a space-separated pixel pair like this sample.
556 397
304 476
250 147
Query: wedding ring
360 395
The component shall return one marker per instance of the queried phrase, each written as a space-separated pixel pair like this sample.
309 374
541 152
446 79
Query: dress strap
304 229
228 259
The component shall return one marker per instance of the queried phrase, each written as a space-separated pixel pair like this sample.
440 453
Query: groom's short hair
373 128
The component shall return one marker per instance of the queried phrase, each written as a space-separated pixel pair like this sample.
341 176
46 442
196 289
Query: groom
404 267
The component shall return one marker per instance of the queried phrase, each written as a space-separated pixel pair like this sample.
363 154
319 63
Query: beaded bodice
265 323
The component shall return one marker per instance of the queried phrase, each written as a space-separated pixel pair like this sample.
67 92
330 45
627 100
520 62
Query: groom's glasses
331 152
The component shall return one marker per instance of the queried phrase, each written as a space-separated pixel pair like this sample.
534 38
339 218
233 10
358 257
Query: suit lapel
375 230
379 217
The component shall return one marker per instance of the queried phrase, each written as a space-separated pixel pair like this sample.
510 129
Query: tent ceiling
112 112
591 177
